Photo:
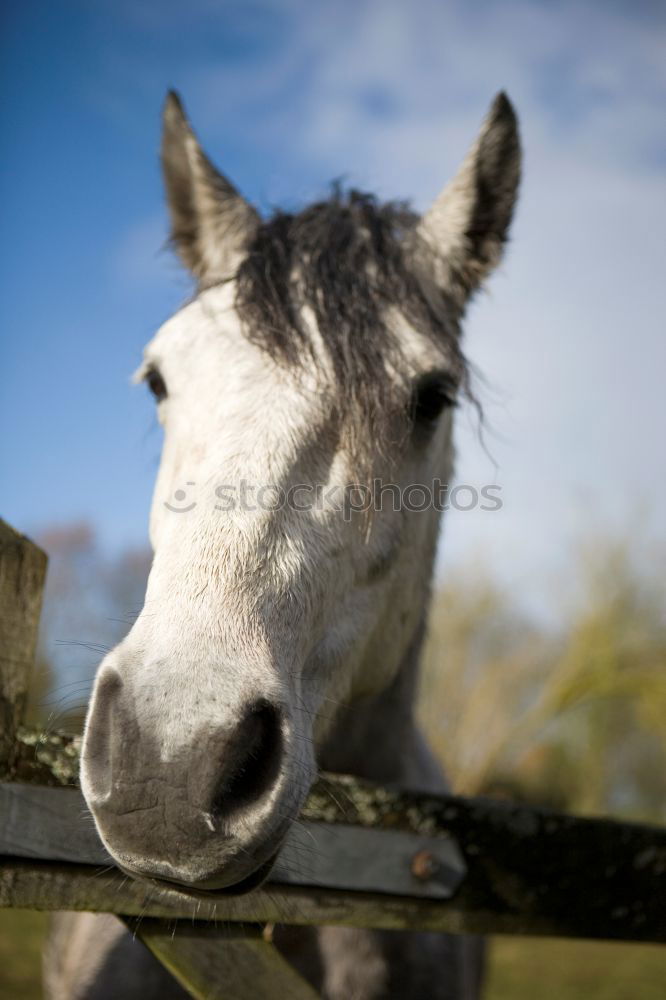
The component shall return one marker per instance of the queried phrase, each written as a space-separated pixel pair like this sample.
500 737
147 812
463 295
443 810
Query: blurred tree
571 718
90 601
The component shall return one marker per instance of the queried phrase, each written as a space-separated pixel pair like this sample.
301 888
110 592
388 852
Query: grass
550 969
21 935
520 968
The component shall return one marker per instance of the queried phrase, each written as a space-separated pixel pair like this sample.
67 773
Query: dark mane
344 260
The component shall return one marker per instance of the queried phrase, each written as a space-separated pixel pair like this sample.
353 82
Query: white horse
306 386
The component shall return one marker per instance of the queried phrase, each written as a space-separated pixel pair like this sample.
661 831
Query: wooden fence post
22 574
222 963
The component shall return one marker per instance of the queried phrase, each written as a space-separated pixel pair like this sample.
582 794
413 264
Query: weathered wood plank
50 824
22 574
54 824
214 963
48 886
339 856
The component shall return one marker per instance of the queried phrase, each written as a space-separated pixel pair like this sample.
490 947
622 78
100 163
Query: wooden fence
372 856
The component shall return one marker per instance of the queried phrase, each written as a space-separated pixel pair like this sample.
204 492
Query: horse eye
432 394
156 384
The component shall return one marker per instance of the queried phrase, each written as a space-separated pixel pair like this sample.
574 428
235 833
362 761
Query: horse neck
377 737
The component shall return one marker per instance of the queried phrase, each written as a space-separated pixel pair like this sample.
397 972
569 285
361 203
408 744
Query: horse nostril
252 761
99 742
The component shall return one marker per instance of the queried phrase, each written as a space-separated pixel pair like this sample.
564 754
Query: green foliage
91 599
571 717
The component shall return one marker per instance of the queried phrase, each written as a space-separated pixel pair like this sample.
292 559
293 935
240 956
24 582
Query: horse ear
466 228
210 221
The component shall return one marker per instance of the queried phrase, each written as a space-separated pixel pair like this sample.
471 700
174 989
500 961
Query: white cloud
139 258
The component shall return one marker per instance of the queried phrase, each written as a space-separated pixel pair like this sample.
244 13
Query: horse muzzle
207 812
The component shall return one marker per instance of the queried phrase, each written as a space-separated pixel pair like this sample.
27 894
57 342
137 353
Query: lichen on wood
46 758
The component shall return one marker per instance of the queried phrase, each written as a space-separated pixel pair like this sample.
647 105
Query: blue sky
287 96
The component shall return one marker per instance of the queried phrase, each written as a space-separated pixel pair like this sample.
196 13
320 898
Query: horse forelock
347 262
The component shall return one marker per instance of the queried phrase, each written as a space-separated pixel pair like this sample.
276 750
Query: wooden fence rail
371 857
